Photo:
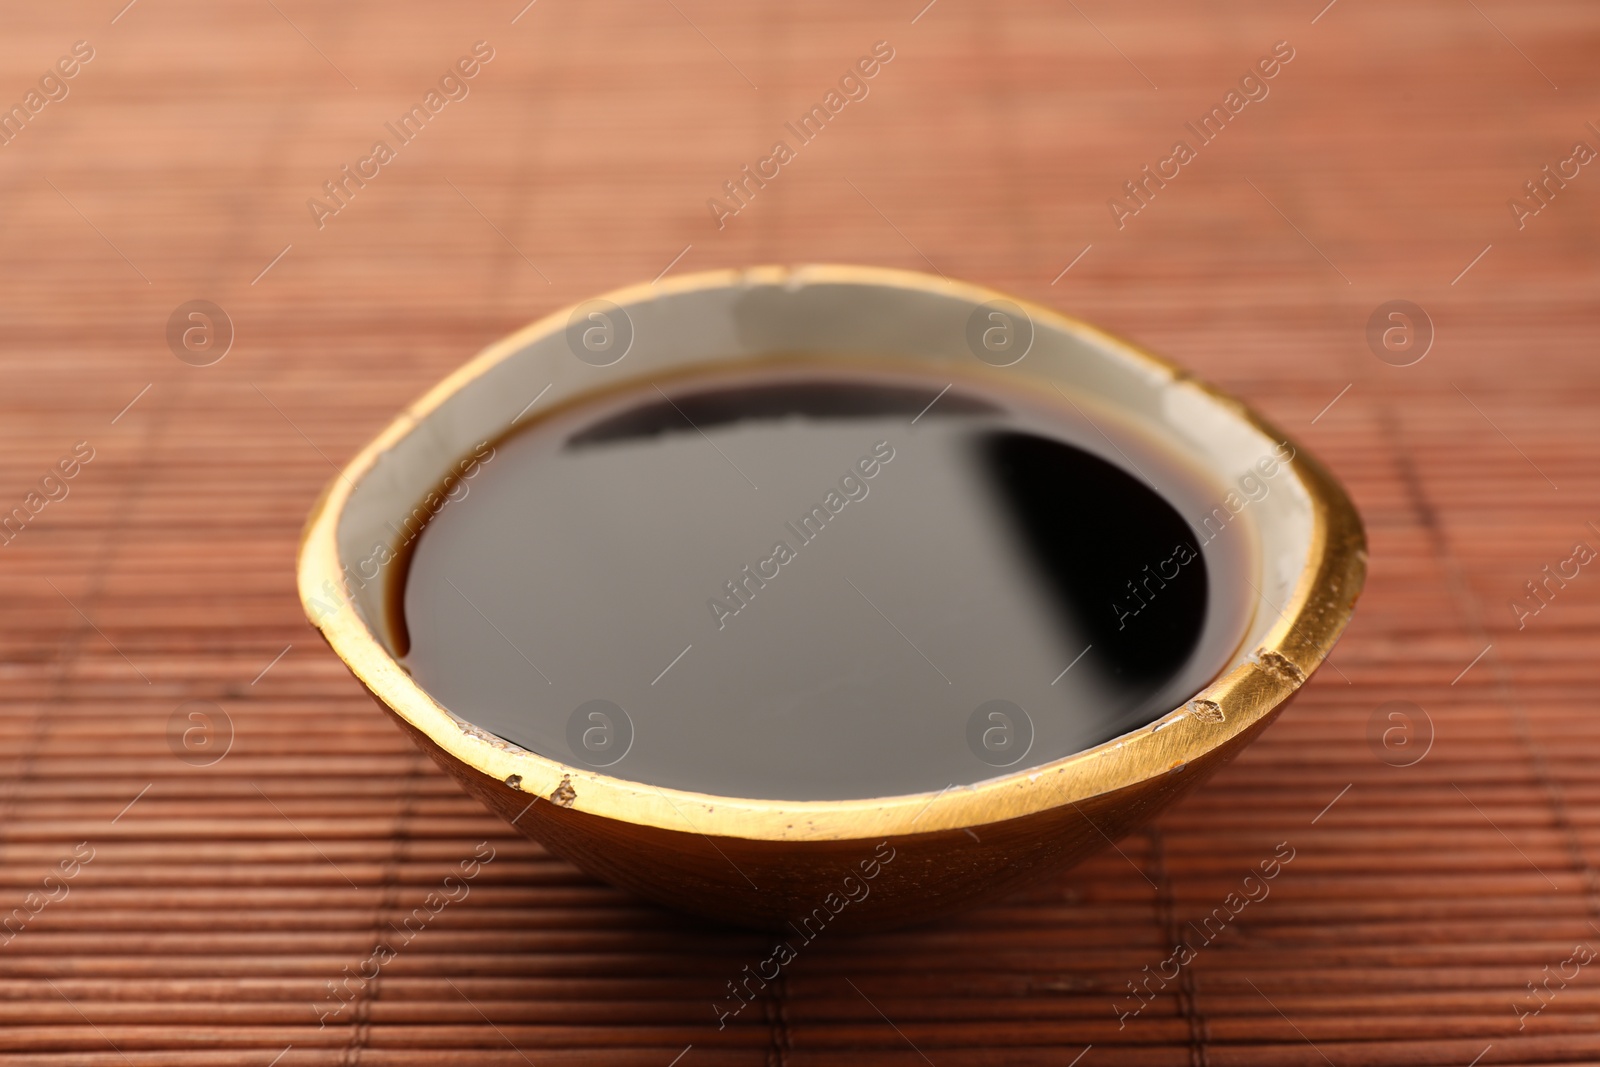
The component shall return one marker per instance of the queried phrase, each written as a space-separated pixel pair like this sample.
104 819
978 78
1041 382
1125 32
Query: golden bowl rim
1234 702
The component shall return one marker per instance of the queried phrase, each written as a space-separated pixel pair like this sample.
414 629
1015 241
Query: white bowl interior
826 311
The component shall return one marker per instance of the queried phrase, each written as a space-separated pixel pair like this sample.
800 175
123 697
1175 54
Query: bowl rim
1235 702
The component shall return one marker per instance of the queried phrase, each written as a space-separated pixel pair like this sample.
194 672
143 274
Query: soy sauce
812 585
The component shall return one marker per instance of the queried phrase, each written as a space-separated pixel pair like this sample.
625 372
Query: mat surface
222 869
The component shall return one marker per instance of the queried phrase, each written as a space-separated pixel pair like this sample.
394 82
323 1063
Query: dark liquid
870 606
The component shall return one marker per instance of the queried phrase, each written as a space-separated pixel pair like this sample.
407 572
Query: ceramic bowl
773 863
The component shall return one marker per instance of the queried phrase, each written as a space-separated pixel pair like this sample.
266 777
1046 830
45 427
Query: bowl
866 863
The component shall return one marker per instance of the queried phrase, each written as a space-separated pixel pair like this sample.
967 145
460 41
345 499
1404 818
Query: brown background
219 905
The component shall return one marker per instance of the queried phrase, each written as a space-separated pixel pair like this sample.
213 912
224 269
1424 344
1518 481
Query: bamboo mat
207 912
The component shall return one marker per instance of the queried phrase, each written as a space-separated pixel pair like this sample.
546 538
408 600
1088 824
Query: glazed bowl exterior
775 863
